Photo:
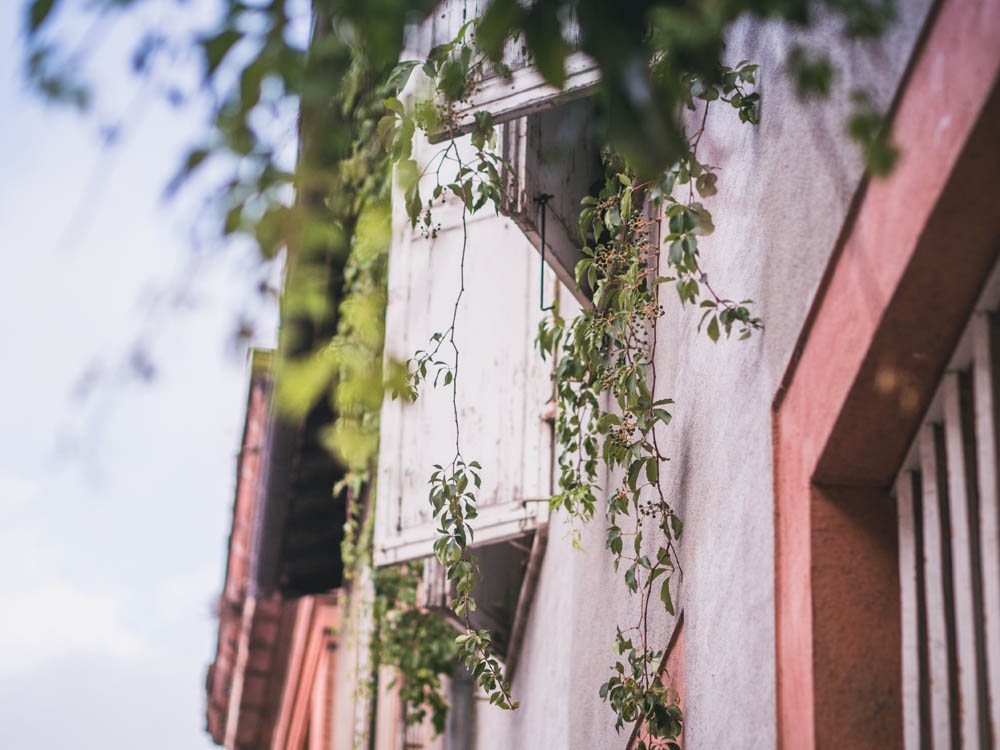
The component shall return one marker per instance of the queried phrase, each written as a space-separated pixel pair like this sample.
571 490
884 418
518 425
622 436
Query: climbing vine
454 68
387 597
610 409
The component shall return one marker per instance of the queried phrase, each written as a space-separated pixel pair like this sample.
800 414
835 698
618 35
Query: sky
115 505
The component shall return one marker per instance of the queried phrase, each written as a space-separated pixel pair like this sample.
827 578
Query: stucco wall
784 191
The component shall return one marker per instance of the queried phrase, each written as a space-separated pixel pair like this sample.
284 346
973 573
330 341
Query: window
507 99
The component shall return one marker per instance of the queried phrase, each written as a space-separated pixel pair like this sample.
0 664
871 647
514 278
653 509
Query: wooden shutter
504 387
524 92
548 137
553 153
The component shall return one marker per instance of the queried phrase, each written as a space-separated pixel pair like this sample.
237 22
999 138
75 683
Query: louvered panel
949 545
554 153
909 569
985 372
937 574
964 516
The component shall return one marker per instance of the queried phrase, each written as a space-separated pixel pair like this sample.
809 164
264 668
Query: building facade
836 473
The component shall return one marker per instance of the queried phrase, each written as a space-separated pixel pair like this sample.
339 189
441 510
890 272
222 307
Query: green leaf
612 219
494 28
630 579
400 75
385 128
706 184
482 129
250 86
813 74
234 218
543 34
713 328
690 244
652 469
633 474
668 603
626 205
702 221
605 422
676 525
452 79
38 11
393 104
676 251
583 222
217 47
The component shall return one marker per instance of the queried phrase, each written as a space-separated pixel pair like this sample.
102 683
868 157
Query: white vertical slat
963 574
984 379
937 636
909 612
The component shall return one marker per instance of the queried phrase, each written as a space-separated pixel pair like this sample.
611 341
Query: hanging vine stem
454 505
452 487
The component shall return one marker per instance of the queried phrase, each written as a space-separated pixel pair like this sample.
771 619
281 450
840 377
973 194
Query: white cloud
189 597
46 615
57 619
15 491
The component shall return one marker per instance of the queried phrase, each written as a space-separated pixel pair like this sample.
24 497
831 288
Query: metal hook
543 199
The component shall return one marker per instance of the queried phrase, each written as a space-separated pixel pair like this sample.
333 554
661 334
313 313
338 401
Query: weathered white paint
984 381
503 386
555 155
957 449
908 611
526 93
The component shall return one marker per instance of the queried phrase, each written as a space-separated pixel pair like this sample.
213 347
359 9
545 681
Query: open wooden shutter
503 385
553 157
525 92
548 136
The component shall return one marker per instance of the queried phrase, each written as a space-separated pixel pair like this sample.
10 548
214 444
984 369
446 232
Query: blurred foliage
646 49
257 66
